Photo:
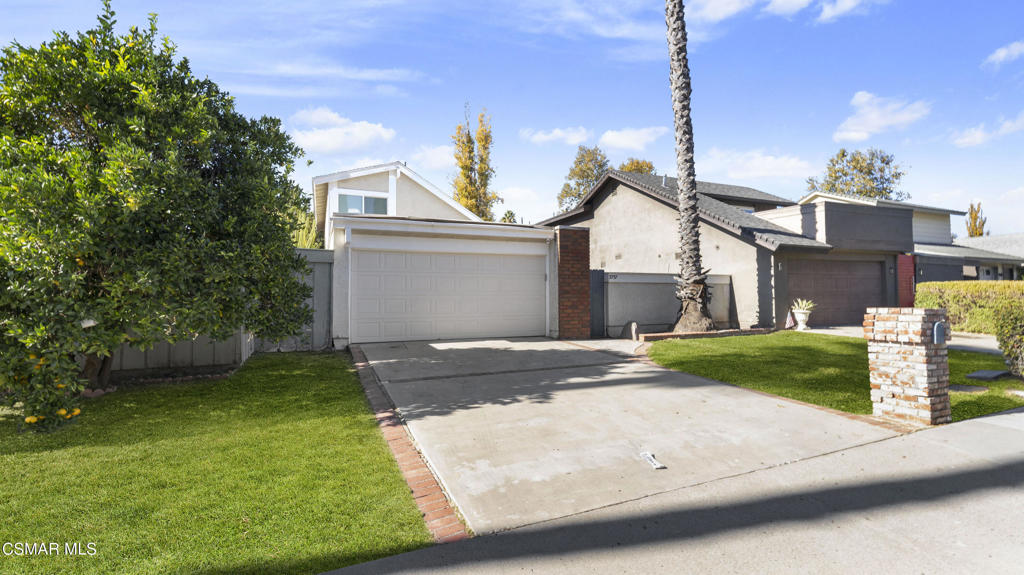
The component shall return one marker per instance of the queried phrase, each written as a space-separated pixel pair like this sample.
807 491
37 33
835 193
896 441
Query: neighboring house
633 223
410 263
935 256
391 189
1011 244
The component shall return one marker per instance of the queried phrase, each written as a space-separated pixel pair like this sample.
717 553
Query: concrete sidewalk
961 340
942 500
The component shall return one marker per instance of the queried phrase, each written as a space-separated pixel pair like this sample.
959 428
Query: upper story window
356 204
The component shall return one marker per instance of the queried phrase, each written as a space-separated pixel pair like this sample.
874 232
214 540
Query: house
1010 244
391 189
842 256
936 257
410 263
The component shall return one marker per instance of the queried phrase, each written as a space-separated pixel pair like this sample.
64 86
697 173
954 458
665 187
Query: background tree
975 221
587 169
637 166
308 235
137 206
871 174
692 287
473 160
509 217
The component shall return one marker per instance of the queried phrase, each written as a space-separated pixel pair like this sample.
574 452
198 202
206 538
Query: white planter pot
801 319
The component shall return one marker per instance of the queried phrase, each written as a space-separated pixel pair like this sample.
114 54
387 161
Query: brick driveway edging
439 513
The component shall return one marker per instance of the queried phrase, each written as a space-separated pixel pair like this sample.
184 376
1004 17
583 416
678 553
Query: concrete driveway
528 430
942 500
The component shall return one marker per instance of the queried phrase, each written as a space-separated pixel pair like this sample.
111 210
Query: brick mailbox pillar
909 371
573 246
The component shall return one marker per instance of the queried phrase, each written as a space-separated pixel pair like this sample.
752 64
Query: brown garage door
842 290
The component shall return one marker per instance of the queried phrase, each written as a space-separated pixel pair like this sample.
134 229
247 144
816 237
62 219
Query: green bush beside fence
1010 333
973 306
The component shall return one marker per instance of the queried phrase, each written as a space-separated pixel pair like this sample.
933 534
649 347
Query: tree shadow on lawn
269 391
695 522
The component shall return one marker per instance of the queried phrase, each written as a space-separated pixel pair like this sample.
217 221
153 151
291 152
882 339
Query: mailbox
939 333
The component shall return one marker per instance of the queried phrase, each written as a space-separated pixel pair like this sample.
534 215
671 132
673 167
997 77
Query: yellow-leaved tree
473 160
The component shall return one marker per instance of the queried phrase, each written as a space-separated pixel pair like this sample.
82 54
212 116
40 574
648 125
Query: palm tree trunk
692 287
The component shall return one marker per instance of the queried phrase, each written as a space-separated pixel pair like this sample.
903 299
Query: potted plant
802 311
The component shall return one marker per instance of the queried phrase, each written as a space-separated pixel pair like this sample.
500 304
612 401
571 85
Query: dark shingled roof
726 192
760 231
966 252
768 234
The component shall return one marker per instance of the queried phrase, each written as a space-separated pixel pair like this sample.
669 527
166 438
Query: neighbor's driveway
528 430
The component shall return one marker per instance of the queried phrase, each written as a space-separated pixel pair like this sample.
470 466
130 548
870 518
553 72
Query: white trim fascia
875 202
393 191
405 244
355 172
482 230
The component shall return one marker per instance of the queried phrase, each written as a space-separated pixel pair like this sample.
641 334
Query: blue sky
779 85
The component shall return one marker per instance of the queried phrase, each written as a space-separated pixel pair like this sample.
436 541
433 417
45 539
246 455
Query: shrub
1010 333
972 306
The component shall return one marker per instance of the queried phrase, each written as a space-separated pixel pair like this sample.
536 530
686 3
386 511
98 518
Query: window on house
353 204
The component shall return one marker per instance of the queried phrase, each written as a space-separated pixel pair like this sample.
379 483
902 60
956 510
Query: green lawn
821 369
278 469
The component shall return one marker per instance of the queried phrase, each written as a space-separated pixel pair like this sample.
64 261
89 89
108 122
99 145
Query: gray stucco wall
633 233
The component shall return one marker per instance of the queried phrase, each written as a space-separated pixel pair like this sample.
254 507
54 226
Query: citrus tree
136 205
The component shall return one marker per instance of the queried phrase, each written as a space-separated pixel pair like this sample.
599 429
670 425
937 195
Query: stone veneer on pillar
909 371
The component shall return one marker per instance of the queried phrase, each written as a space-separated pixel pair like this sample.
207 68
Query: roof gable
712 210
319 194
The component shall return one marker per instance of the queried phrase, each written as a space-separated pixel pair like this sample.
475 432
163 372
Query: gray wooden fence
206 355
317 335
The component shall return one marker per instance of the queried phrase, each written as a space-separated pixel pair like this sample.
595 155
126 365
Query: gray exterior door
842 290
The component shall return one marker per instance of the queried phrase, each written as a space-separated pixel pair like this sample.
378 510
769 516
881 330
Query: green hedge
1010 333
972 306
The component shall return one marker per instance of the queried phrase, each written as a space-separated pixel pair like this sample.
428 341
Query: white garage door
398 296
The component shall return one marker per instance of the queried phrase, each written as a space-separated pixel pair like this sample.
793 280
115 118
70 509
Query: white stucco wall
416 201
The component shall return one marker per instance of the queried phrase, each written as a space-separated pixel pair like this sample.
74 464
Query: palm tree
692 287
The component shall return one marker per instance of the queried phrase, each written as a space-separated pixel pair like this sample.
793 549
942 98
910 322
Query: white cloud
716 10
323 131
1016 194
635 139
274 91
874 114
572 136
1007 53
753 165
786 7
435 158
971 137
978 135
833 9
328 71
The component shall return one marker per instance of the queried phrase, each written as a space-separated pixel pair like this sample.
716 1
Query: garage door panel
842 290
401 296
